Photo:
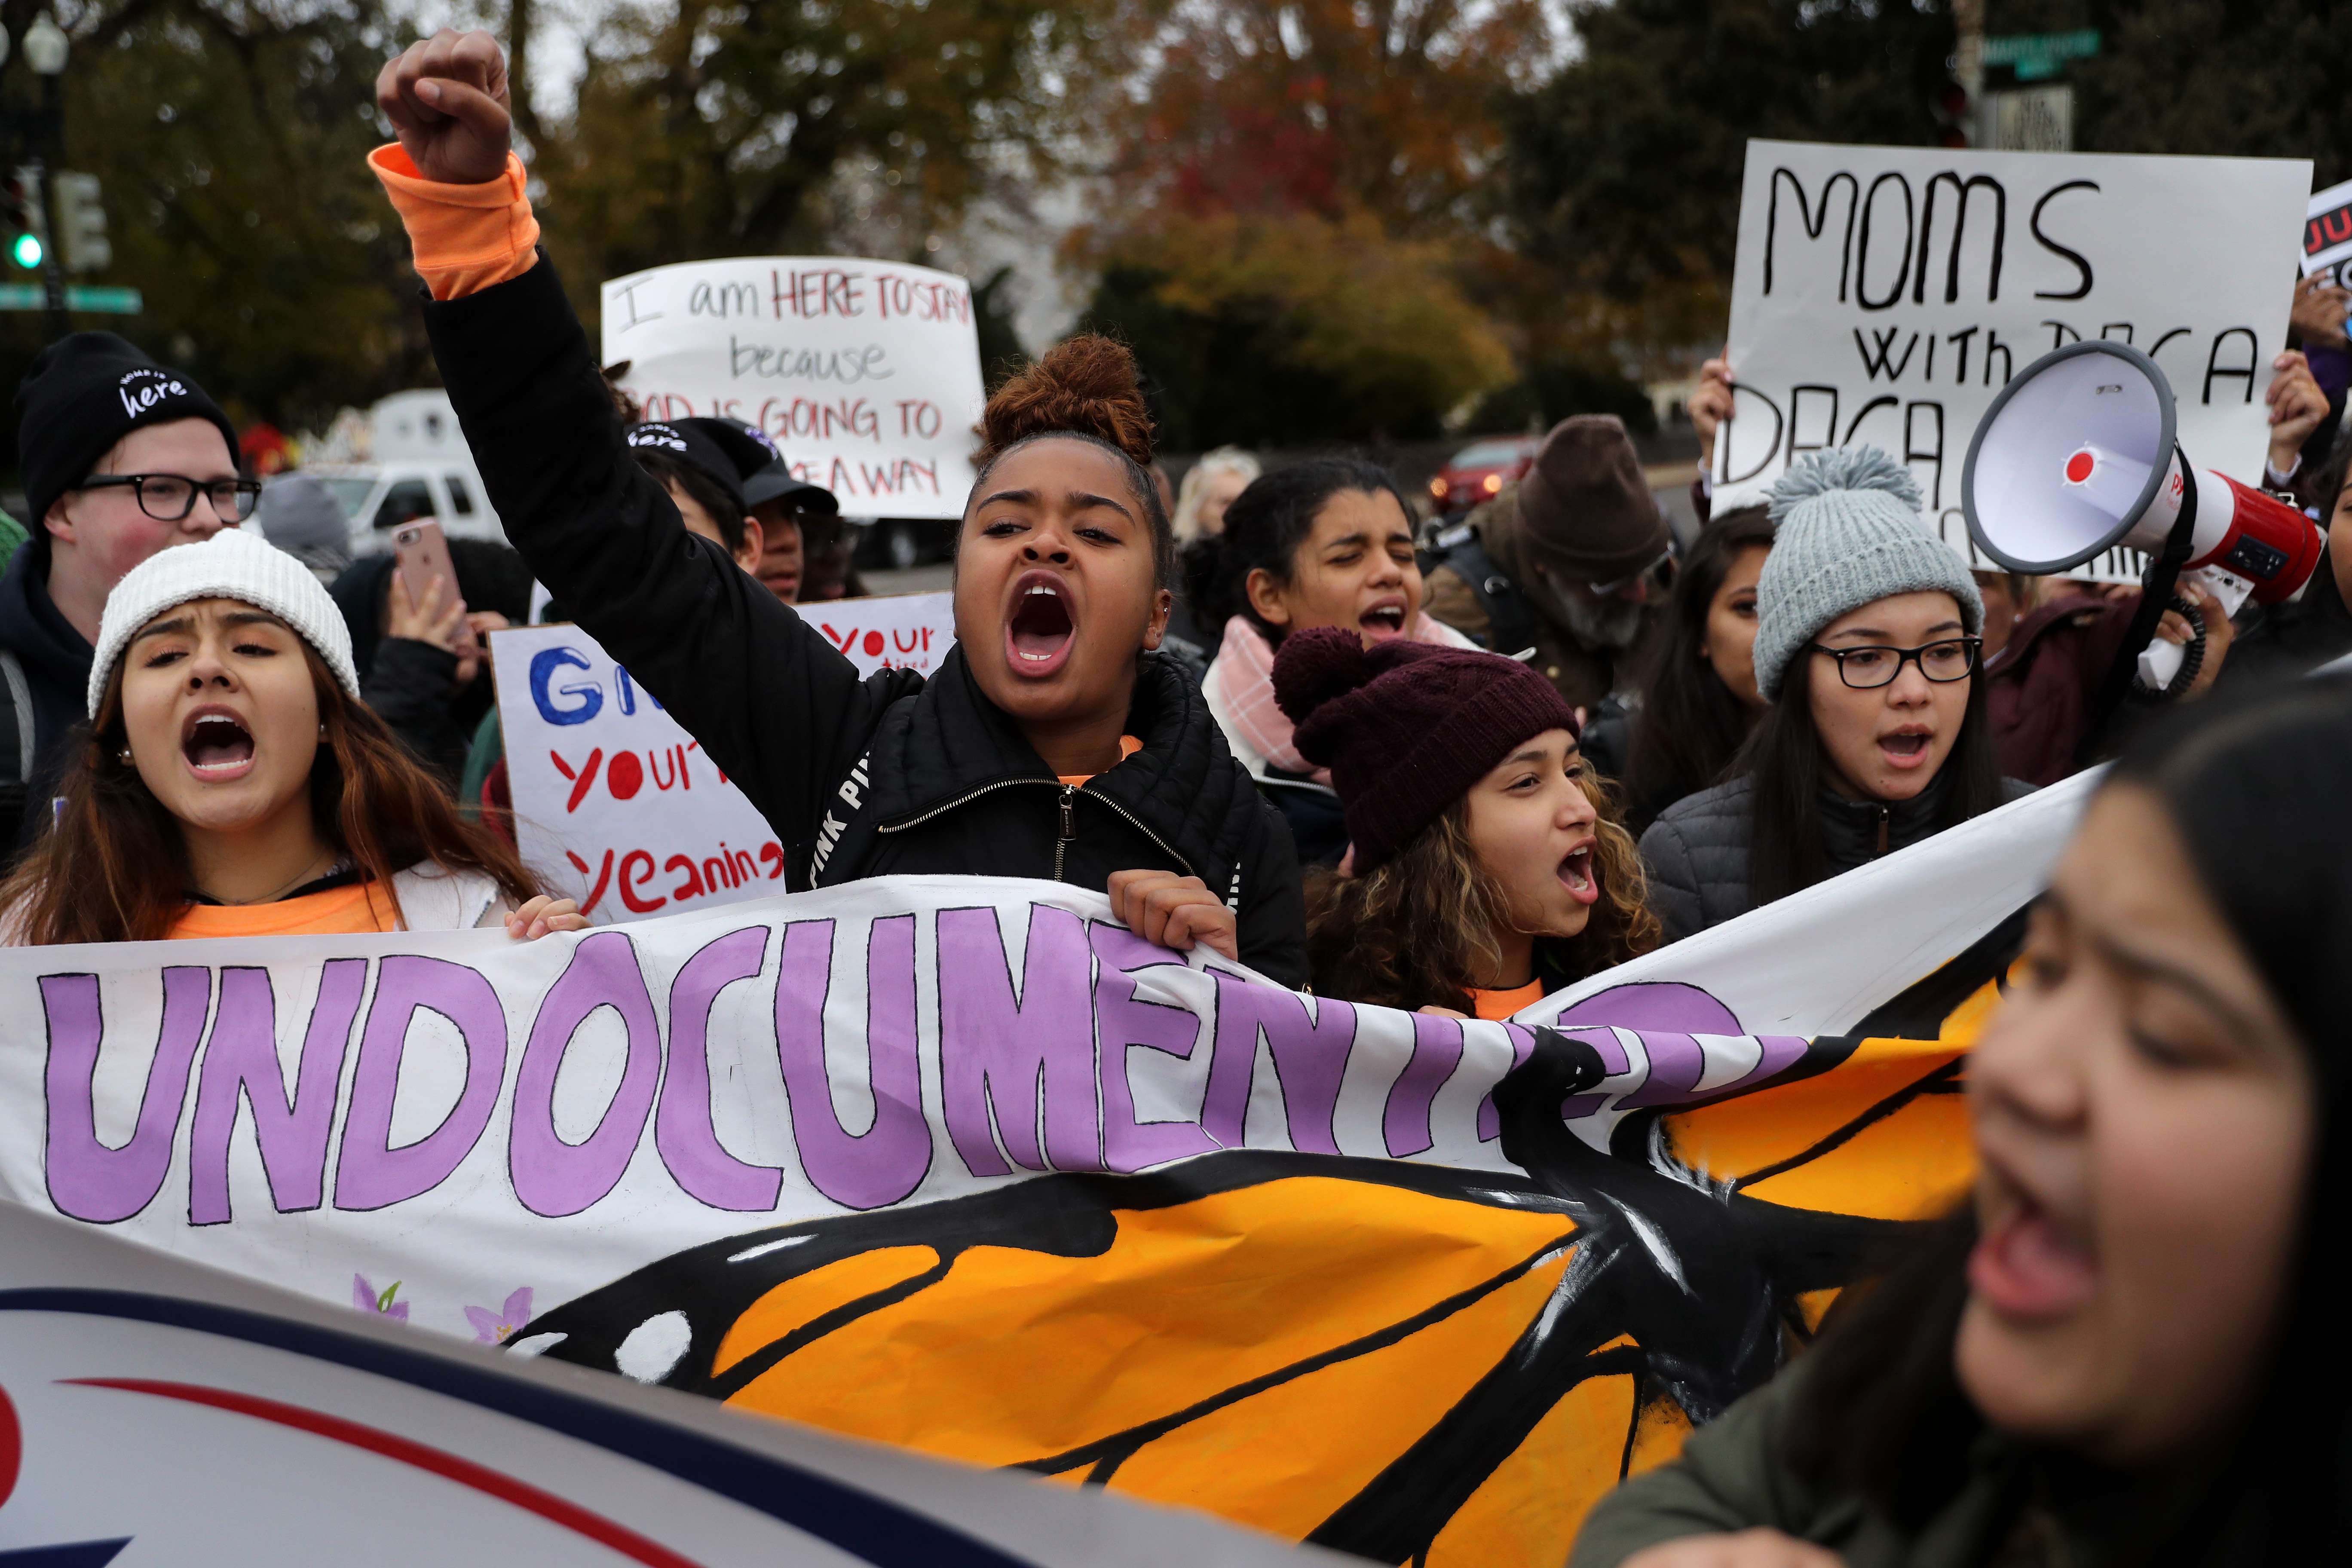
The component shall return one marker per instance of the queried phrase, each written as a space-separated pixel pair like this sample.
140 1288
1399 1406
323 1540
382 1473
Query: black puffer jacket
1697 852
858 778
56 660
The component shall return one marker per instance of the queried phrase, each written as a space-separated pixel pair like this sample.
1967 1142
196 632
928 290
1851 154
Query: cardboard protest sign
1886 294
958 1164
614 803
864 374
157 1411
2327 232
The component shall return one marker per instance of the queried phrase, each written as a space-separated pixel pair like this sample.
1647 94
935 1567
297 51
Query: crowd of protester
1451 764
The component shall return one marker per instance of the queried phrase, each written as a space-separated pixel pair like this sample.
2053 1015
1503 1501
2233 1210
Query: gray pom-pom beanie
1850 533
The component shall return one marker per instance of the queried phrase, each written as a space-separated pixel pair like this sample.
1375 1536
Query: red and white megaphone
2077 457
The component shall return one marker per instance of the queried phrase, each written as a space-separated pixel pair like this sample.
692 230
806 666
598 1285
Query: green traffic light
26 251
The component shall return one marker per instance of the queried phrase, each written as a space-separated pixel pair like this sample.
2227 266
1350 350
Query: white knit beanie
231 565
1849 534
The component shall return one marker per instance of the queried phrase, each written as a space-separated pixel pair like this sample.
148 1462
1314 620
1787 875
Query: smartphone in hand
422 553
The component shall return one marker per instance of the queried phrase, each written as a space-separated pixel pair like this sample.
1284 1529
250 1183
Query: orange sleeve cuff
465 238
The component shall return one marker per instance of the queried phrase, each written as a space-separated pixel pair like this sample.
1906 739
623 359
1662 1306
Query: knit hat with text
1849 534
1406 727
84 392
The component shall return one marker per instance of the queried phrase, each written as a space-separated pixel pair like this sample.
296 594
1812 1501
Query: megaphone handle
2155 595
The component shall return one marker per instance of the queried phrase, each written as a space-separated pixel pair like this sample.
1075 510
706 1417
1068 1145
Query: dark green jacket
2014 1509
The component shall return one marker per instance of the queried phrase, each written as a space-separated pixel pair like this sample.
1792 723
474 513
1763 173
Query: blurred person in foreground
2123 1346
121 457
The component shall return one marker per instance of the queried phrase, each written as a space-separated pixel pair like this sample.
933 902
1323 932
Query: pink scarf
1240 689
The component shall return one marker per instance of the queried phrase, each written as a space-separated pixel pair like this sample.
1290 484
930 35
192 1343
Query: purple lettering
1436 1051
1523 1045
1126 1021
683 1133
550 1177
1004 1056
1309 1053
87 1179
879 1166
370 1174
241 1062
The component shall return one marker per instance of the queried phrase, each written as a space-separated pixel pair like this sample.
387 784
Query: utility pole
1968 65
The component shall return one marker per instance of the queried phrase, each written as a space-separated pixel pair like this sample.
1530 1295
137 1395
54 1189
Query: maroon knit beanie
1406 727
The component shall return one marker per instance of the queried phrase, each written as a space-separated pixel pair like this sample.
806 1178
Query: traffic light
1953 112
25 250
82 244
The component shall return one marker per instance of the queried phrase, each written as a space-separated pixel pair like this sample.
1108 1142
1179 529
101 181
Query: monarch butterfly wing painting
1409 1361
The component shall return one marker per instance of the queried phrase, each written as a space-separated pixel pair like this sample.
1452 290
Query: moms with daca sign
615 804
864 374
1884 295
959 1164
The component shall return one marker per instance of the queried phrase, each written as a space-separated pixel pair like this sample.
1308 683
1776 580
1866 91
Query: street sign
2037 57
90 299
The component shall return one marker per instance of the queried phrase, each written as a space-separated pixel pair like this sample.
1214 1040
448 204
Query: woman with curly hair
1054 740
1489 865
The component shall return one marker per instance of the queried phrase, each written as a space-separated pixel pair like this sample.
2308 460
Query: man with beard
1569 562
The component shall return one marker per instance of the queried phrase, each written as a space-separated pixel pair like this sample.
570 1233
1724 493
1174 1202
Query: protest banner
153 1411
864 374
2327 232
1886 294
614 803
955 1164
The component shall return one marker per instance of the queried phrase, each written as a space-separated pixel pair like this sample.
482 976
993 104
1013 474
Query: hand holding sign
448 99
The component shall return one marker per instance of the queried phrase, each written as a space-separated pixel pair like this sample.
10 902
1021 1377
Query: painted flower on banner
368 1299
495 1328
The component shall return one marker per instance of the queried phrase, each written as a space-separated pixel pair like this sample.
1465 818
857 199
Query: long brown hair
1416 930
114 867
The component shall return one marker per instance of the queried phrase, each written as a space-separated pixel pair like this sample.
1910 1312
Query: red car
1477 471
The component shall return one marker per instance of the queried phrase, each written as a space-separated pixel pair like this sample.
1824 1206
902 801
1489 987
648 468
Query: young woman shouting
2125 1349
1325 542
231 783
1867 641
1489 868
1052 742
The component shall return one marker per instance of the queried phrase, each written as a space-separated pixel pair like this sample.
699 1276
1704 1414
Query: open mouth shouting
1907 746
1384 618
1577 875
1040 625
2029 1261
217 745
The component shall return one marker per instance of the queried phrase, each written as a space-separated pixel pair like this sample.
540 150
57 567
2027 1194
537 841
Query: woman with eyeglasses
1869 637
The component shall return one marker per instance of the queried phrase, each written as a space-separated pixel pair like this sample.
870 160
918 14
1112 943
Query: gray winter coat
1697 852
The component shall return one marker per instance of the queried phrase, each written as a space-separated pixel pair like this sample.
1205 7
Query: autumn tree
229 138
704 129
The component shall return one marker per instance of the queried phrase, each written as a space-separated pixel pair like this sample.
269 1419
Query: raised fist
448 99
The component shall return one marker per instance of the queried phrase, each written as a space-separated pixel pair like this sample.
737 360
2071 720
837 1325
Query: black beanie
84 392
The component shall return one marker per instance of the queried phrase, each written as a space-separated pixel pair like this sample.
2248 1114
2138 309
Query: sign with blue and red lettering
617 805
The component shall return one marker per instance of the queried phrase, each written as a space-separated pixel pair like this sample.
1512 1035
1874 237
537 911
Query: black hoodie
858 777
56 660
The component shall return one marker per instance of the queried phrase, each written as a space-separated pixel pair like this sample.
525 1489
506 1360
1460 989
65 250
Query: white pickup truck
419 466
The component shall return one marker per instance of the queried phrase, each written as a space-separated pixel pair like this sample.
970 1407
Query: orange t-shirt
334 912
1127 746
1500 1004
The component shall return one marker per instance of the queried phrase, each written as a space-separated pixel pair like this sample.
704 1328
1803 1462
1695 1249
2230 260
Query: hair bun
1314 666
1842 468
1085 386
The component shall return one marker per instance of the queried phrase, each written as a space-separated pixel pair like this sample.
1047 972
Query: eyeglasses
1659 573
1868 668
168 497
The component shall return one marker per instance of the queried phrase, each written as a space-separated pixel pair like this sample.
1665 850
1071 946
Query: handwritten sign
617 805
864 374
1884 295
614 803
897 631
